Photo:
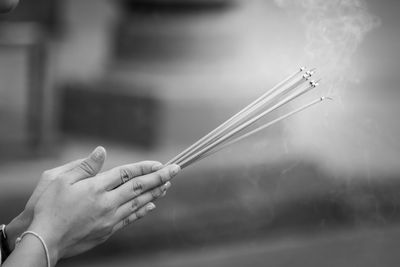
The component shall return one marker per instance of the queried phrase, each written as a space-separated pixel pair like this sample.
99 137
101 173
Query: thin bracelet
46 250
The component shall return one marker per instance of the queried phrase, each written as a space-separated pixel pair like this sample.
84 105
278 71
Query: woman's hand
76 213
91 164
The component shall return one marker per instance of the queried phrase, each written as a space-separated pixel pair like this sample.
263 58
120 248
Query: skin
75 208
24 219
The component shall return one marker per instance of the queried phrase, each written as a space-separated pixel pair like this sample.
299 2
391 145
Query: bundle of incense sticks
242 124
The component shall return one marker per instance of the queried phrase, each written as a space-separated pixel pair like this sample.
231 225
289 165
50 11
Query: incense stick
233 129
256 130
244 125
234 117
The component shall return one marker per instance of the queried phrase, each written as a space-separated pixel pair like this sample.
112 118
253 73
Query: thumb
89 166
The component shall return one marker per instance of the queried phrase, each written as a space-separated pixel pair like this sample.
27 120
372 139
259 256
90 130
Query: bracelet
46 250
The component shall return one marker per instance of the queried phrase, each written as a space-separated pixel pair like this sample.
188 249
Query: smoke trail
334 30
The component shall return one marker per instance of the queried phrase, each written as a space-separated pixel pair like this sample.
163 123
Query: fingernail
150 207
98 153
166 186
174 170
156 167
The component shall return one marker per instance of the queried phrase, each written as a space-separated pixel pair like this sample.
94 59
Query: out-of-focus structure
147 78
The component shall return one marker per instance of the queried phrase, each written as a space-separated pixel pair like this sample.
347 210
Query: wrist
16 227
31 247
50 238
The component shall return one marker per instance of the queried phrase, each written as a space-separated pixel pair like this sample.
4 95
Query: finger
70 165
87 167
140 213
141 184
133 205
119 175
66 167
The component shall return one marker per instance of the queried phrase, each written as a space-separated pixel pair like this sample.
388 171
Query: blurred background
146 78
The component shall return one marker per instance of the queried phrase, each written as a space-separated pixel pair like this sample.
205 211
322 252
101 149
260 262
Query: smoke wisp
334 30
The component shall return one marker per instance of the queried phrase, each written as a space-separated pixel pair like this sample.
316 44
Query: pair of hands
74 207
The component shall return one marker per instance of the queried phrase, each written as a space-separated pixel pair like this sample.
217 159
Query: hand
91 164
76 213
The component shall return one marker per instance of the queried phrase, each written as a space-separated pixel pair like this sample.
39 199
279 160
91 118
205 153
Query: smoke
334 30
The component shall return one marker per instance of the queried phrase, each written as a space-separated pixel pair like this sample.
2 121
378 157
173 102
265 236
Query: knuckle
91 187
60 181
105 205
60 185
135 204
160 177
98 188
87 168
108 228
126 221
140 214
60 177
137 186
166 175
49 176
125 174
145 162
157 192
142 168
